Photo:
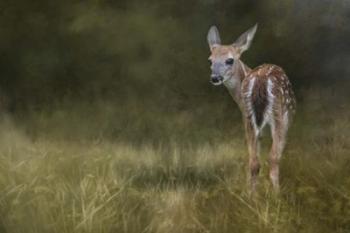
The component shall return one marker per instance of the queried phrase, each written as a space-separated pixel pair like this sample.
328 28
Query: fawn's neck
233 84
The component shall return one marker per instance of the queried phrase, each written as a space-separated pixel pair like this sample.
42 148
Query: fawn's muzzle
216 79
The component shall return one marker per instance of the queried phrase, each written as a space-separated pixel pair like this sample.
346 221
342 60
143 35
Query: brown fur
222 52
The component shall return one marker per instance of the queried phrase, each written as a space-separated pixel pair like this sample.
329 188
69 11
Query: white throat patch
231 82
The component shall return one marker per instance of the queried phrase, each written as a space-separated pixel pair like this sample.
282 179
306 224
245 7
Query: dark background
135 68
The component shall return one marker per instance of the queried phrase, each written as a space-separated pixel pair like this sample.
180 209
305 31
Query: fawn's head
225 58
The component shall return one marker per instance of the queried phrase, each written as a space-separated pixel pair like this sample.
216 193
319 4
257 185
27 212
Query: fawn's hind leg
278 132
253 149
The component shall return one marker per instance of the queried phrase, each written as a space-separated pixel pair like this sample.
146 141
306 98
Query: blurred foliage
129 68
149 51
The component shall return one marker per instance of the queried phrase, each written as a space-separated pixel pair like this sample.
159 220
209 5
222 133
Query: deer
264 96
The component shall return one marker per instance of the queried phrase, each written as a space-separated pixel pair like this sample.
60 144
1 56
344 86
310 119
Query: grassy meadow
63 171
108 122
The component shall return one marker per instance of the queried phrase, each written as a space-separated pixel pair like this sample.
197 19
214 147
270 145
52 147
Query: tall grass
52 182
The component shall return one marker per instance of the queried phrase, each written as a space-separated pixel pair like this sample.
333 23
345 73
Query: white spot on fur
270 70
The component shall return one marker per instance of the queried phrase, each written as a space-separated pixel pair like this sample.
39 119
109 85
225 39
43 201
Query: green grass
57 184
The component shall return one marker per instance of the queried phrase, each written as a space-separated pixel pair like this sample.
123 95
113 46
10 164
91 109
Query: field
52 181
109 124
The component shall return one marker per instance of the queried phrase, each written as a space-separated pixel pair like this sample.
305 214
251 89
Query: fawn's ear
213 37
245 40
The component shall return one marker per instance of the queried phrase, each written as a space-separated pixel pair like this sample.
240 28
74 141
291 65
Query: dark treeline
152 55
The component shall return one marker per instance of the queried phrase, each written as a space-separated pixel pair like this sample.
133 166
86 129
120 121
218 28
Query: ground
61 185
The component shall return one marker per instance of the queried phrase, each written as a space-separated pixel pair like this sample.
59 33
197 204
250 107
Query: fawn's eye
229 61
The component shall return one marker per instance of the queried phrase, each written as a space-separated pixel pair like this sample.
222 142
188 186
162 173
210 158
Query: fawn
263 94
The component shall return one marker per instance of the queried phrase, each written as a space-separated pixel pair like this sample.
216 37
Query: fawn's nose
216 78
